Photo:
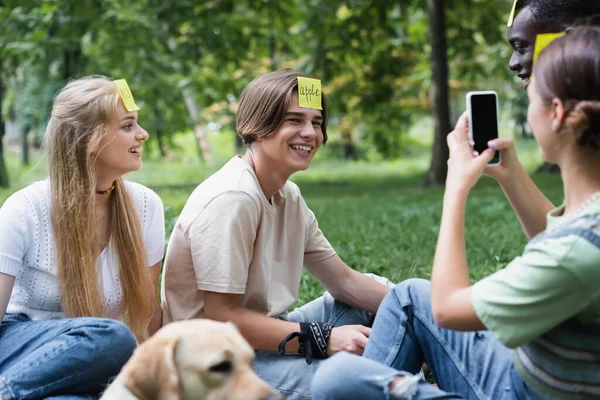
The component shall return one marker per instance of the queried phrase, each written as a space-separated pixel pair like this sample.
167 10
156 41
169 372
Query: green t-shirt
546 303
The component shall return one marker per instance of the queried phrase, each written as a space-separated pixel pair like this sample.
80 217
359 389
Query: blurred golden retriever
195 359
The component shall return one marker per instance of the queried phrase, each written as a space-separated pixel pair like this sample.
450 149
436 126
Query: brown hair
264 102
569 69
81 116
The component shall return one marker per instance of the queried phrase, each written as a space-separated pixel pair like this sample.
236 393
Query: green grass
390 228
376 215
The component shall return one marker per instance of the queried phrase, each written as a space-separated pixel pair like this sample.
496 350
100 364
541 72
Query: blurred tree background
387 67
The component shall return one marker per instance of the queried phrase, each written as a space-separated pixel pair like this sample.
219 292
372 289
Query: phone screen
484 120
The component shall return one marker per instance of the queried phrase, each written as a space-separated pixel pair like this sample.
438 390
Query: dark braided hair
561 14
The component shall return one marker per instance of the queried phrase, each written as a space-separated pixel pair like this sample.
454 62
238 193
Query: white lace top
27 250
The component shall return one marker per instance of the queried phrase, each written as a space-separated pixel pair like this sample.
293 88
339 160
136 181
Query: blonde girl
75 288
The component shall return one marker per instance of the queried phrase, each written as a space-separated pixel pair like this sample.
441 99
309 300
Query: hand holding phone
482 111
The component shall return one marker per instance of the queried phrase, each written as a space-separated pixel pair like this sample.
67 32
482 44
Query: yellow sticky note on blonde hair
309 93
126 95
513 14
542 41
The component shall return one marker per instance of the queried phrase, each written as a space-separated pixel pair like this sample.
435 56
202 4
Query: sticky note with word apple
309 93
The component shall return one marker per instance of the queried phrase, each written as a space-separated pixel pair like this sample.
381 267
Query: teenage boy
237 250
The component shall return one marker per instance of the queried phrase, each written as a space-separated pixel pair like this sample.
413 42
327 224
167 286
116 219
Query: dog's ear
151 373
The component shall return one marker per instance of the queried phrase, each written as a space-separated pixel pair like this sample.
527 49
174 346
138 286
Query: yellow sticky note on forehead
309 93
513 14
542 41
126 95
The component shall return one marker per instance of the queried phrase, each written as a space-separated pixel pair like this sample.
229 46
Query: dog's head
196 359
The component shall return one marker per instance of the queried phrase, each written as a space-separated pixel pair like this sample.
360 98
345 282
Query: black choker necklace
106 191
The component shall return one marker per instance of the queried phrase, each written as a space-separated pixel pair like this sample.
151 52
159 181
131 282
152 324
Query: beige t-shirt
230 239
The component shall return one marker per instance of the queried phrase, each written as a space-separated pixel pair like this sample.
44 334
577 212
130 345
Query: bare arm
348 285
450 287
262 332
156 311
529 203
266 333
6 287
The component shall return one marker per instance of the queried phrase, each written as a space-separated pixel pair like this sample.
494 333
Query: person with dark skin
544 16
529 330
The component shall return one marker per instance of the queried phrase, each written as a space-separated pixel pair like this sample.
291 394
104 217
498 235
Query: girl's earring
555 125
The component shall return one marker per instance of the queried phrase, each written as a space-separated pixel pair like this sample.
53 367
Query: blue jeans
351 377
473 364
289 373
71 358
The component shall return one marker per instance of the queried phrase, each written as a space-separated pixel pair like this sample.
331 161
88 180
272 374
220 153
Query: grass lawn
376 215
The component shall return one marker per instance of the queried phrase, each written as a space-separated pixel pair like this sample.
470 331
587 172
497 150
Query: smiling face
521 36
291 148
119 150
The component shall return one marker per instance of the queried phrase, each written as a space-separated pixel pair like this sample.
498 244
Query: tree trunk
71 61
204 150
4 182
25 144
439 62
272 44
159 132
348 147
161 145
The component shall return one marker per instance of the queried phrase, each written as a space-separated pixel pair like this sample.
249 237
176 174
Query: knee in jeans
332 379
381 279
120 338
414 289
414 286
111 337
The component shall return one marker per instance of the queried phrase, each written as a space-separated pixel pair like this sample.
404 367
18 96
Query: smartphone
482 108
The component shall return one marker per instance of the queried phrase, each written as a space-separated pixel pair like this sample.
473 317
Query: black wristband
313 340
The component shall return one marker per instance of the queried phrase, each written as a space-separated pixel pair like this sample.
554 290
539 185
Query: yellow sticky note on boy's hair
309 93
126 95
513 14
542 41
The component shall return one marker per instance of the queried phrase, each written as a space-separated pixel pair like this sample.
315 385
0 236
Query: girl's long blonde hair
81 115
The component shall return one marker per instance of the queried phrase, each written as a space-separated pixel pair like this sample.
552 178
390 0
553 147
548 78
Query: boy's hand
350 338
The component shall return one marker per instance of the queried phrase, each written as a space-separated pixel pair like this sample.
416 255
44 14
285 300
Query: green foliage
373 56
389 227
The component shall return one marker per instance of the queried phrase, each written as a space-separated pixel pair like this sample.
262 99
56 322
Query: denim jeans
62 359
351 377
289 373
475 365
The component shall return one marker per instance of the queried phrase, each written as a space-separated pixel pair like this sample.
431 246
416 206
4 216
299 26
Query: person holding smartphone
534 17
529 331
